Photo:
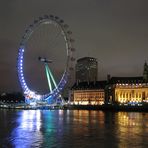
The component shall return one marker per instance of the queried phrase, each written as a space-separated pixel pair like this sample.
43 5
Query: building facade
86 70
88 93
127 90
116 90
89 97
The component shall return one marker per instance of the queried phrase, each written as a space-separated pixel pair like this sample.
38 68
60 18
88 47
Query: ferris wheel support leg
48 78
55 85
53 80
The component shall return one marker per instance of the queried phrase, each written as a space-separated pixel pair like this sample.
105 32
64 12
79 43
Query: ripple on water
67 129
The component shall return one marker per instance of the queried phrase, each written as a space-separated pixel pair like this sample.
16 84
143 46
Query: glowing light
32 93
38 97
48 78
51 81
52 77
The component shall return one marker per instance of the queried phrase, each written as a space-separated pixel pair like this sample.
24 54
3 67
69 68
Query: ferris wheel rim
68 46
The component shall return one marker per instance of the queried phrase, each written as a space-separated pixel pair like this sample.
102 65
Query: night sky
113 31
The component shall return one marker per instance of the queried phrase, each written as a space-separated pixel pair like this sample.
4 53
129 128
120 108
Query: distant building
127 90
120 90
88 93
86 70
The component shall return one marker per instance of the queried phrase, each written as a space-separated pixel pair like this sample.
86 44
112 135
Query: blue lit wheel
31 52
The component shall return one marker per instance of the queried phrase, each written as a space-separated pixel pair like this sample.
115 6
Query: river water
72 129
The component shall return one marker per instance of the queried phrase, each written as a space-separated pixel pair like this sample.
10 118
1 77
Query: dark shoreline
110 107
143 108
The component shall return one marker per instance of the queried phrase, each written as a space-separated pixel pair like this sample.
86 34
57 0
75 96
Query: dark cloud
113 31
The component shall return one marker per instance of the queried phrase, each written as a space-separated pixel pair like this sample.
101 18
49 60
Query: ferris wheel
58 29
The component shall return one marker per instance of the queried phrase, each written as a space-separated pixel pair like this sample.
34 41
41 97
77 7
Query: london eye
45 48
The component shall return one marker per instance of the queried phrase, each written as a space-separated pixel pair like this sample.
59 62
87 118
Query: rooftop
115 80
90 85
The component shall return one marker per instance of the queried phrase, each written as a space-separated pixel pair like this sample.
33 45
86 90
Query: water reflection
28 132
132 128
30 120
77 128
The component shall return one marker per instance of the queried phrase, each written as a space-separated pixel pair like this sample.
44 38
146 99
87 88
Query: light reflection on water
132 129
77 128
28 133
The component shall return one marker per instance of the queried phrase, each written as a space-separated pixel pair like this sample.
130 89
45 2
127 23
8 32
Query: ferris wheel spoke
53 42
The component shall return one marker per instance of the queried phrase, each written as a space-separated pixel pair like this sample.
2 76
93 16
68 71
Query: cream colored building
88 97
131 93
120 90
88 94
127 90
